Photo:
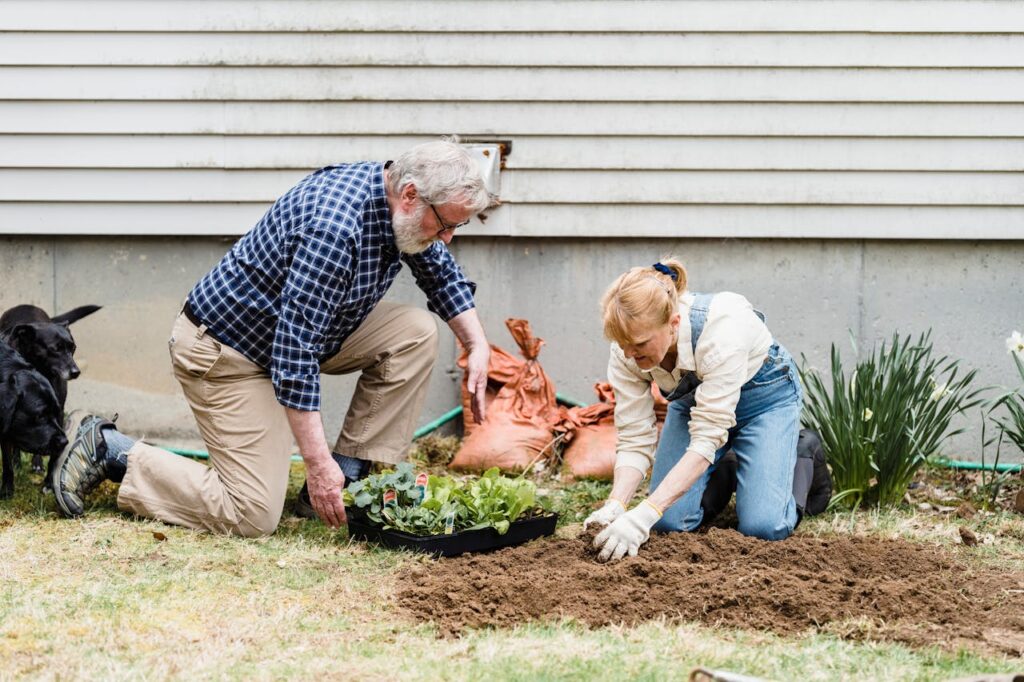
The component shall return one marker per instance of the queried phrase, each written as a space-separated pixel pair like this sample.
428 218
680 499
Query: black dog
30 417
46 343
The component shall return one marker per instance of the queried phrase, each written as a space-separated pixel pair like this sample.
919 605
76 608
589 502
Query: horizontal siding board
784 222
923 16
792 119
513 49
468 84
810 222
502 121
528 152
777 187
540 187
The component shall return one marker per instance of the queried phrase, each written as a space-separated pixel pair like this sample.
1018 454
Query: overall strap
698 317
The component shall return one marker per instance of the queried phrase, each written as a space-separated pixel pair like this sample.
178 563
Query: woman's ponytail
642 298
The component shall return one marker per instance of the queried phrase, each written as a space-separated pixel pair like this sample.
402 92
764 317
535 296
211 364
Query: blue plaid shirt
304 278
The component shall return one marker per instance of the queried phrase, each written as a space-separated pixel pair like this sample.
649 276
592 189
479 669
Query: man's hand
611 510
323 477
470 333
627 533
326 482
476 380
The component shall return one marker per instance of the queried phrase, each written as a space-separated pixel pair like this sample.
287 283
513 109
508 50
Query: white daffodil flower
1015 344
940 391
868 414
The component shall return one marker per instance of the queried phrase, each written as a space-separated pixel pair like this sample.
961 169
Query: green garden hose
565 400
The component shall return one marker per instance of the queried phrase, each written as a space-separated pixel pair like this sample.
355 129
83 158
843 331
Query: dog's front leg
7 484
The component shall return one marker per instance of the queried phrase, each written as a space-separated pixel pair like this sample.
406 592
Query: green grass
104 597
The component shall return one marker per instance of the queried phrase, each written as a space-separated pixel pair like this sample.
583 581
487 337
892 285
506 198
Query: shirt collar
382 212
684 346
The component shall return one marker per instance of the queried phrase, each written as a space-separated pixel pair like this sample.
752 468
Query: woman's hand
627 533
611 510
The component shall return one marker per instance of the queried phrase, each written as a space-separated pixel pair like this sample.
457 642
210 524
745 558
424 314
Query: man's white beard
408 231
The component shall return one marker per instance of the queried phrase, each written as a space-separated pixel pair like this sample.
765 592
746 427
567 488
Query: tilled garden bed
854 587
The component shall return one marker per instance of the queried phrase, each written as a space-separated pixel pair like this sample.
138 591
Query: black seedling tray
524 530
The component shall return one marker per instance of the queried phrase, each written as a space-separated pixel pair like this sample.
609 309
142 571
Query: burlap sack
501 368
518 428
589 437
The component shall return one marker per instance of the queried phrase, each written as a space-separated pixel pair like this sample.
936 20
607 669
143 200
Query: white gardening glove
611 510
627 533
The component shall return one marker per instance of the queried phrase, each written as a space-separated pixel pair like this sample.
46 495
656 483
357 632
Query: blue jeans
764 439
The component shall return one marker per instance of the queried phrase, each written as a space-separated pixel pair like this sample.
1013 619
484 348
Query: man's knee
422 327
257 522
421 332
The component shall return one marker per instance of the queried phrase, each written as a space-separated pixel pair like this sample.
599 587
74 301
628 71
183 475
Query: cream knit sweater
731 349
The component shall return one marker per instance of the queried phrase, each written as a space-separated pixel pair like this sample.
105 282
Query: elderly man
298 295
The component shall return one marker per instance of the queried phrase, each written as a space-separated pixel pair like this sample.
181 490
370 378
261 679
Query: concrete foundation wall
814 292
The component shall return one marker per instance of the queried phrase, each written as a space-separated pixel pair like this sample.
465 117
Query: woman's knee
678 522
766 527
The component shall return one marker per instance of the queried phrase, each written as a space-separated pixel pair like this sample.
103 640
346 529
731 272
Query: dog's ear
9 392
23 333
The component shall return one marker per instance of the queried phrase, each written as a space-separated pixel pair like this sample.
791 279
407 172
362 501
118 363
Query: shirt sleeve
318 279
448 290
635 422
722 368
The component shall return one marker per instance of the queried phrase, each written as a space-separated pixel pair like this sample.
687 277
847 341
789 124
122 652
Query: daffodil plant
880 422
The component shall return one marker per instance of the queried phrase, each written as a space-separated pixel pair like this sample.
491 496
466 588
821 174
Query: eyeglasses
445 227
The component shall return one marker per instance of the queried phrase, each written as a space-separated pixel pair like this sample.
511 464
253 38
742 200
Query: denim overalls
764 439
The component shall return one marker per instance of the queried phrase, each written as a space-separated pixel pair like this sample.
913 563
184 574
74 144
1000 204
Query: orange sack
501 369
518 427
591 436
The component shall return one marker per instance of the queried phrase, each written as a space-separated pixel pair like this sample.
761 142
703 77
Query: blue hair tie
666 270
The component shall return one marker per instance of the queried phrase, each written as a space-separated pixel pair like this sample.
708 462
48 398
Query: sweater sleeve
635 422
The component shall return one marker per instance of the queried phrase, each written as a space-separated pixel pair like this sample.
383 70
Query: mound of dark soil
855 587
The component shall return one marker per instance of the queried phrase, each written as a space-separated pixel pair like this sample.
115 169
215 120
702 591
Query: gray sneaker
81 467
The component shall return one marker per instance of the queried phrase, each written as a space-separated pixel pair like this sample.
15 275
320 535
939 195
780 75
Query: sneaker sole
55 485
71 424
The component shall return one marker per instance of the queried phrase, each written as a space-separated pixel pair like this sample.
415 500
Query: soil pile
854 587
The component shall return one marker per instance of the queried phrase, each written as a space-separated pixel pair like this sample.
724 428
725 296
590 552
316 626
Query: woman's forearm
624 484
680 479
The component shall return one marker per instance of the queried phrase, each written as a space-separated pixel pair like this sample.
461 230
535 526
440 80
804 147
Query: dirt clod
968 537
966 510
854 587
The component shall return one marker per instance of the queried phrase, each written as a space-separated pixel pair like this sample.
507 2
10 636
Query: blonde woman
729 385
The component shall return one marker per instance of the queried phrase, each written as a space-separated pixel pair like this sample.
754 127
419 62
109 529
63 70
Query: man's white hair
443 173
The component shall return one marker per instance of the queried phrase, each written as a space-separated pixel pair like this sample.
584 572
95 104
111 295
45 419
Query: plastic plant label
390 498
449 524
421 487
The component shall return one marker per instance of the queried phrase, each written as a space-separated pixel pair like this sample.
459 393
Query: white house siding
853 167
810 119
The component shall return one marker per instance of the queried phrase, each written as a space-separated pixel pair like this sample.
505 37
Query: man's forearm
467 328
308 430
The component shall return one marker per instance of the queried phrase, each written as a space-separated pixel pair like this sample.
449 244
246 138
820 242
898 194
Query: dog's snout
59 442
74 373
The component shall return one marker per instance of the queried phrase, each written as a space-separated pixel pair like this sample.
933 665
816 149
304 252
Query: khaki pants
247 433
